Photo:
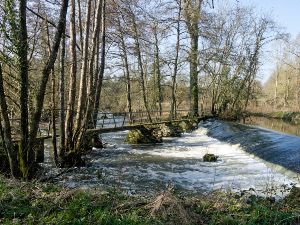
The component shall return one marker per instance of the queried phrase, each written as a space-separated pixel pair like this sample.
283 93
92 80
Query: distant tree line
282 90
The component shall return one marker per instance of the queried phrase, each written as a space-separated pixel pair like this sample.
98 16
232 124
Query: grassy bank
36 203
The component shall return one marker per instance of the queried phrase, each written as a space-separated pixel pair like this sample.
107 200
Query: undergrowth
41 203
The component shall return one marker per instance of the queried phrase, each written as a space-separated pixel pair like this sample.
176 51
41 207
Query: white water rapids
178 161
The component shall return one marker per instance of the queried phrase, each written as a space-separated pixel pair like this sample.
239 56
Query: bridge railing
104 120
119 119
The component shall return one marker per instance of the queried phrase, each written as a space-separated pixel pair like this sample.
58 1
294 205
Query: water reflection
274 124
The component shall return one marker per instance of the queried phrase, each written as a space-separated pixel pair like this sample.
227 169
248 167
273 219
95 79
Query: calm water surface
274 124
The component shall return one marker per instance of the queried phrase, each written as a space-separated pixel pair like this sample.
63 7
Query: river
251 158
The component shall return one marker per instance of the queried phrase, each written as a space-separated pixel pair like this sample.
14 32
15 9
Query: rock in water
186 125
168 130
142 136
210 158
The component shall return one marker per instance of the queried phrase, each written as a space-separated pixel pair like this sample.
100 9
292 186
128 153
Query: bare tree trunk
53 103
157 72
54 141
249 88
192 13
174 77
62 97
39 101
213 103
23 72
126 67
7 139
88 120
91 84
97 71
276 89
79 23
140 63
128 82
69 125
81 106
102 63
194 90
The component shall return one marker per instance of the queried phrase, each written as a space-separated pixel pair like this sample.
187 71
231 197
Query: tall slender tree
192 15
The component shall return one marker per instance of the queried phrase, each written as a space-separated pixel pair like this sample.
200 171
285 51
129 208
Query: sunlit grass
29 203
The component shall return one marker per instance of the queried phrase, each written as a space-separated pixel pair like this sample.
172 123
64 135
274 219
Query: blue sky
285 12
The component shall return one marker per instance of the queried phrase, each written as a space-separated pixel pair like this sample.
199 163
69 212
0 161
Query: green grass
36 203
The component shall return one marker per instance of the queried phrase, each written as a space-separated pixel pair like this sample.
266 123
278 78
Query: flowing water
178 161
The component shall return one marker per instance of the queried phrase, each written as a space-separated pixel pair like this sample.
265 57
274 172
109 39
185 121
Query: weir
178 161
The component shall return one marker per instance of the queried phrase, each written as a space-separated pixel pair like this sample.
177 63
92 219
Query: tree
192 15
174 76
22 161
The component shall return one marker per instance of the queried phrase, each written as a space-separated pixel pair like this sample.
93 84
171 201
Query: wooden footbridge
119 121
110 121
106 122
113 122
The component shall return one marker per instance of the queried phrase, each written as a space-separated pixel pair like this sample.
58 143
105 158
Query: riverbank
43 203
292 117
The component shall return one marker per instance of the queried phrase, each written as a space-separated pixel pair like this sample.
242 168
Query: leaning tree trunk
39 100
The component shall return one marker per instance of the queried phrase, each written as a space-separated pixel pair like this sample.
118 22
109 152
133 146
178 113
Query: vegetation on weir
40 203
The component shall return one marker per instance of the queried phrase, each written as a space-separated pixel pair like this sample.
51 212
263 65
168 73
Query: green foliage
53 205
29 203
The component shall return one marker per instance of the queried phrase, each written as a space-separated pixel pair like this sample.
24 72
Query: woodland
65 61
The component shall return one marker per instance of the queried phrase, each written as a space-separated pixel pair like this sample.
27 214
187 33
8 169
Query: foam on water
235 168
177 161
